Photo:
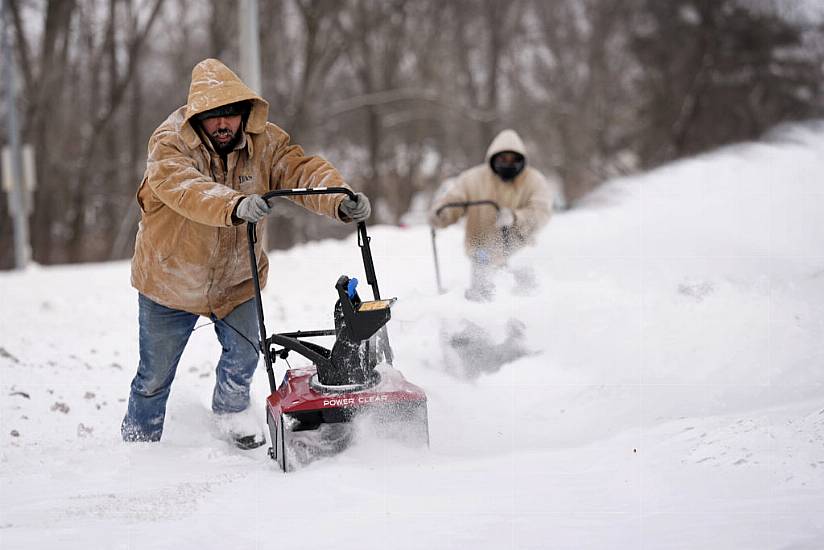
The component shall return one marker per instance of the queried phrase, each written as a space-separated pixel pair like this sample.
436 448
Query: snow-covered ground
671 395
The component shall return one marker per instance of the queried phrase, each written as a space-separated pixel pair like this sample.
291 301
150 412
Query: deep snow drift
668 393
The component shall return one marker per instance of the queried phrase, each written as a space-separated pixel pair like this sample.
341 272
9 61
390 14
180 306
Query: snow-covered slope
669 395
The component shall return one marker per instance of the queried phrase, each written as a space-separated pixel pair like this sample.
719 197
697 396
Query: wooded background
399 94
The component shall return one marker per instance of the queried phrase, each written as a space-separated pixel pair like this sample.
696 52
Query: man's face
223 131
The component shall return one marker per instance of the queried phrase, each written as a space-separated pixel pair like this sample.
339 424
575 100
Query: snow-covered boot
243 429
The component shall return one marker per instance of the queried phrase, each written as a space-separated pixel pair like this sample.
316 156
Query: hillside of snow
667 391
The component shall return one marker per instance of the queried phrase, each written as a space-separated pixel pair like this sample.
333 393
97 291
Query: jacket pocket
169 236
146 198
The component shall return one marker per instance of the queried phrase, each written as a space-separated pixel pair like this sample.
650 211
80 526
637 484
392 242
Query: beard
224 140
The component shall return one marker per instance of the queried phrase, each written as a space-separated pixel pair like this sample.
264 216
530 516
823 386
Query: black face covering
507 170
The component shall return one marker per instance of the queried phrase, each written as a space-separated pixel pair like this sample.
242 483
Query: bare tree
577 97
44 77
727 73
398 94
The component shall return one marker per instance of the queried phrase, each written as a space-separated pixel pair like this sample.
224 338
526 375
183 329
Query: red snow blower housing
310 414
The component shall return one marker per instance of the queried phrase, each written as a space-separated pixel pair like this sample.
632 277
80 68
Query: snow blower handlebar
363 238
366 253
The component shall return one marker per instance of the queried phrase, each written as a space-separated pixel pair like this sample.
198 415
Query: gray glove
356 211
252 208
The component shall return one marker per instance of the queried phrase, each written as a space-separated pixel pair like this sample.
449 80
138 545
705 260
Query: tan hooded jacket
528 195
188 254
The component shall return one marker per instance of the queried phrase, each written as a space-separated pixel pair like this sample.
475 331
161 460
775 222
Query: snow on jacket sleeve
456 190
292 168
538 209
179 184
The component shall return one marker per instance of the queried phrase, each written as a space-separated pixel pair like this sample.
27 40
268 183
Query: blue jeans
163 334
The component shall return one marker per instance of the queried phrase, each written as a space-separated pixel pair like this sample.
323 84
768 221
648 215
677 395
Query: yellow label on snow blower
376 305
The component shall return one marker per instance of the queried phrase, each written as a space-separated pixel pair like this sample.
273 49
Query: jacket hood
214 85
507 140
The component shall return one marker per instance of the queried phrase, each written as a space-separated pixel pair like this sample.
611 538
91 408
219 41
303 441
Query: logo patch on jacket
244 179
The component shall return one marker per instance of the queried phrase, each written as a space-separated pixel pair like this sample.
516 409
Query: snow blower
310 414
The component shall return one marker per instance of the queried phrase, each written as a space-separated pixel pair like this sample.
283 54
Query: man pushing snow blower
505 202
208 164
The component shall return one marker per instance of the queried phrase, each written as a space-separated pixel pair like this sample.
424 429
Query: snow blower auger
309 415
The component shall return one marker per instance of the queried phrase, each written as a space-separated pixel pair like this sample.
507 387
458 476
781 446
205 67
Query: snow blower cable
228 324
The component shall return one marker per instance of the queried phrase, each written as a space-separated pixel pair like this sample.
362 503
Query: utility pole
249 44
17 200
249 48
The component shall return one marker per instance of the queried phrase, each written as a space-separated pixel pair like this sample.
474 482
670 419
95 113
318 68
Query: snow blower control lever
352 359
